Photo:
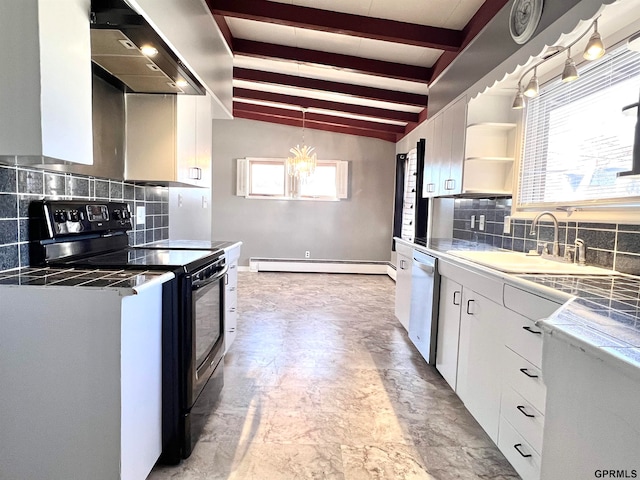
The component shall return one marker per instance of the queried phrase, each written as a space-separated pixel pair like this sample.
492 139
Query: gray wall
358 228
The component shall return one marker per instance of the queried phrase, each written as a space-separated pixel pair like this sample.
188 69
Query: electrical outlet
307 254
473 222
507 225
141 212
481 223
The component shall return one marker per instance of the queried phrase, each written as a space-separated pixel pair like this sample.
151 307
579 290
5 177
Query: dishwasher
423 317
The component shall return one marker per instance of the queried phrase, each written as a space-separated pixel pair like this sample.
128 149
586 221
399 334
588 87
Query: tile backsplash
19 186
609 245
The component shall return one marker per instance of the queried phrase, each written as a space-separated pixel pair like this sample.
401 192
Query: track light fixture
533 88
595 47
570 72
594 50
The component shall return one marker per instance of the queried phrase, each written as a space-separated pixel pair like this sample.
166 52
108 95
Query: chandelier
302 163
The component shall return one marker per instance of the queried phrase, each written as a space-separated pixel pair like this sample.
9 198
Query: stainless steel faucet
556 247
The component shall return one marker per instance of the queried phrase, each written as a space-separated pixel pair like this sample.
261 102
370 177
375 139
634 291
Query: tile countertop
600 314
129 281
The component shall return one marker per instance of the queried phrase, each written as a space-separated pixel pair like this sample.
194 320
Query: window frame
291 184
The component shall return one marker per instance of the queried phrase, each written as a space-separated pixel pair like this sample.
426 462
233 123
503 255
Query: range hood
119 35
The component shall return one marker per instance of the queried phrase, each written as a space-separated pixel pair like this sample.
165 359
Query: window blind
409 197
577 139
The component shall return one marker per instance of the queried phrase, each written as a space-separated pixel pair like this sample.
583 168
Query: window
577 138
267 178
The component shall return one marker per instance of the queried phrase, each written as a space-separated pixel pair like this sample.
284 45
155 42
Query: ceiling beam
349 63
306 102
312 118
370 93
389 137
340 23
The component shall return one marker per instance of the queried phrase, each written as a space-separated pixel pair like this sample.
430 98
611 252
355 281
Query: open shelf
489 159
492 126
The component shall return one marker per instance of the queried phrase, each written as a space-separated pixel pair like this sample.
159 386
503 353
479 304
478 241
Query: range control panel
75 217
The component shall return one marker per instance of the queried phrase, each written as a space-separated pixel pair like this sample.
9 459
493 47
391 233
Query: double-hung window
577 139
268 178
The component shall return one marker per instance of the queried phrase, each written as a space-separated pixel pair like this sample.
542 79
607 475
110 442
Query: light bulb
149 50
570 72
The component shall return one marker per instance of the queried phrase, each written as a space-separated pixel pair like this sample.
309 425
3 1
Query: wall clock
524 18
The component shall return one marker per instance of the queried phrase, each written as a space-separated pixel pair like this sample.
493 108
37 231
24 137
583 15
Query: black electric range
93 235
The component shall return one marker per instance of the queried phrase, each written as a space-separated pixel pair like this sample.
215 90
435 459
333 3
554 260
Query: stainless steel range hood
119 36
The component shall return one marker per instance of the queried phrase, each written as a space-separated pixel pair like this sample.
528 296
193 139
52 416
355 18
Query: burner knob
60 216
117 215
126 214
74 216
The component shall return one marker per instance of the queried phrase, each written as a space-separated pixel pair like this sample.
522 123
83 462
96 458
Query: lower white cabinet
403 288
81 379
231 295
479 359
448 330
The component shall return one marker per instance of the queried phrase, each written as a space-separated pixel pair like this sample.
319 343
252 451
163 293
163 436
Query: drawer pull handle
521 408
526 372
469 312
531 330
517 447
457 292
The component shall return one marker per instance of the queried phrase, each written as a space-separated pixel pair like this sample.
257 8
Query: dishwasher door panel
423 322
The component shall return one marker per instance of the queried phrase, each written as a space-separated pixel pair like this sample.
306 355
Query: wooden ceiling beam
370 93
339 23
260 117
313 120
305 102
348 63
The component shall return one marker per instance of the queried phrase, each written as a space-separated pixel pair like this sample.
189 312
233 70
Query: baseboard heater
317 266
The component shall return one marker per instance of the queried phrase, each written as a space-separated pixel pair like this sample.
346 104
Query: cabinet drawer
523 337
522 416
404 250
518 451
528 304
525 378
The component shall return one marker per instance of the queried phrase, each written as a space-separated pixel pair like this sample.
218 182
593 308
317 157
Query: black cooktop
154 259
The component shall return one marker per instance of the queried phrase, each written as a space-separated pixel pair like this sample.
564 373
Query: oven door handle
203 283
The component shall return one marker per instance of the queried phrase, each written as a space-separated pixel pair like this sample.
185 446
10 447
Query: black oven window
208 320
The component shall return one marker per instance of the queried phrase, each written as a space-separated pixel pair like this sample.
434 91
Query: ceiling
361 67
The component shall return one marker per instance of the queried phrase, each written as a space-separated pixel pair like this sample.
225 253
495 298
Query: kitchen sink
516 262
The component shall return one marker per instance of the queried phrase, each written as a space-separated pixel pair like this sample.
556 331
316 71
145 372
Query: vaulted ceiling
360 67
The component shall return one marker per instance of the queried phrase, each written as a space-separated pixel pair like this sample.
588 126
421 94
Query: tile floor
322 382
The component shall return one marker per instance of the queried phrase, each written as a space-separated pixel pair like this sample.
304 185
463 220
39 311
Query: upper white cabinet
169 139
45 99
490 145
444 151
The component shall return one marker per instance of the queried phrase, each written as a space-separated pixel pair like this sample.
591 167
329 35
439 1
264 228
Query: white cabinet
81 389
444 151
490 145
231 295
45 97
479 359
169 139
403 284
448 330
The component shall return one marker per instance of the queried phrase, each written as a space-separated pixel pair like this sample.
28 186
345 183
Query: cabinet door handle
517 447
450 184
431 187
403 265
526 372
469 312
531 330
521 408
457 292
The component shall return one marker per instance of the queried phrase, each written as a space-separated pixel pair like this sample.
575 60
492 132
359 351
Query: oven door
207 323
